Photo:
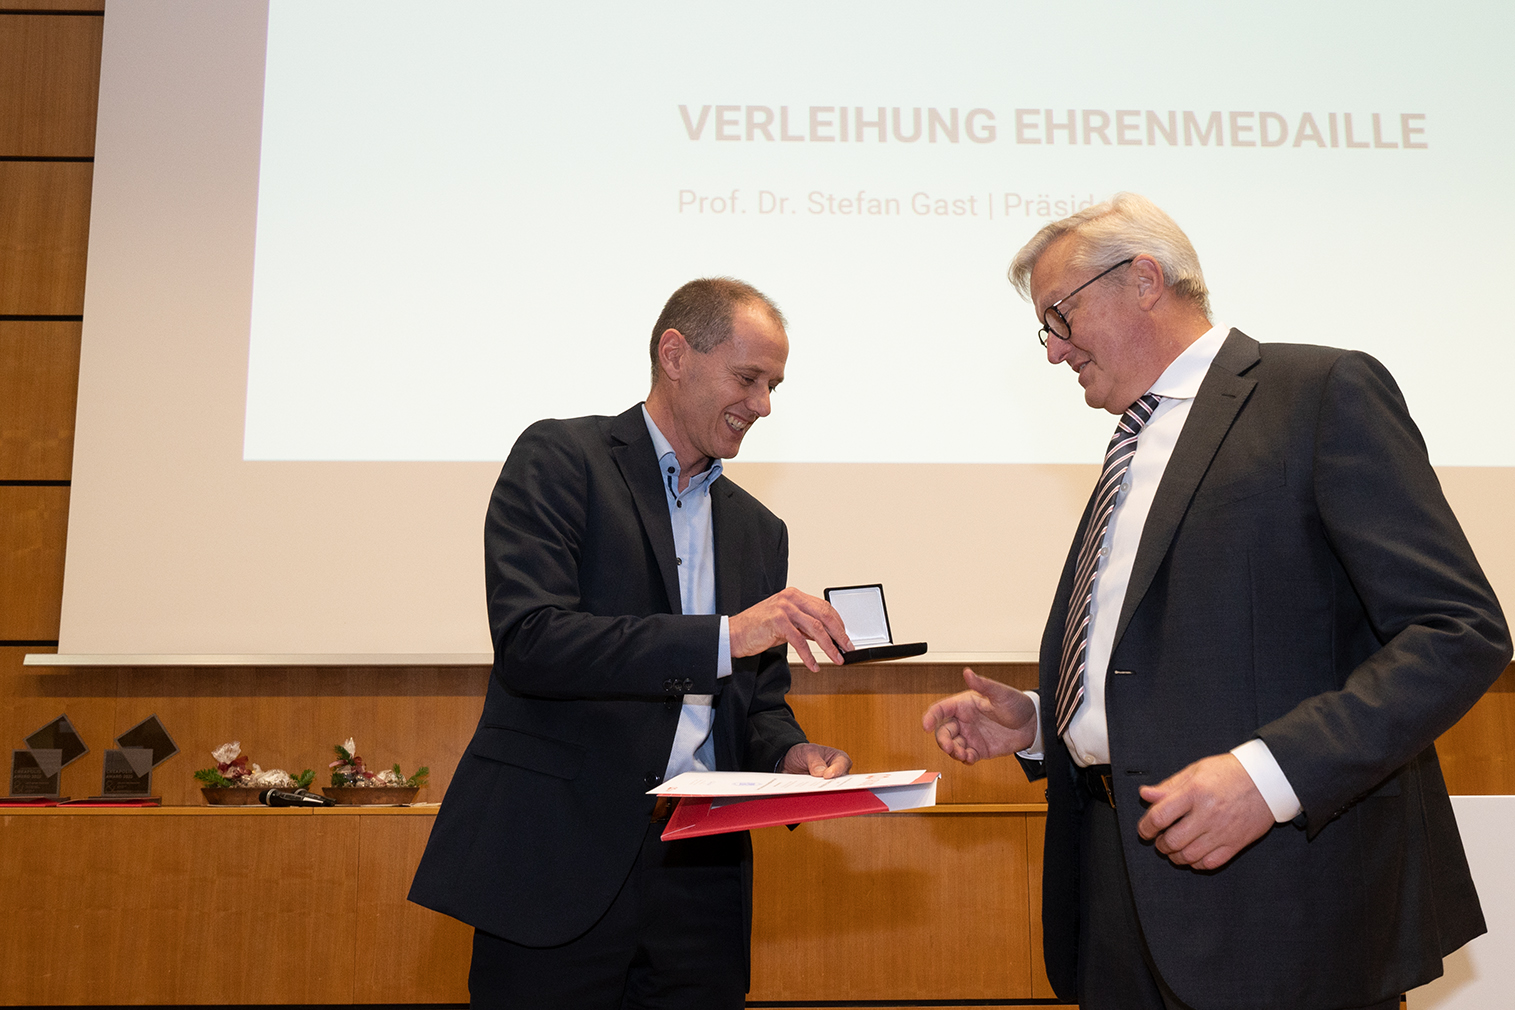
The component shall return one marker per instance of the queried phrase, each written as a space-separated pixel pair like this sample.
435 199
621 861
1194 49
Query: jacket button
652 779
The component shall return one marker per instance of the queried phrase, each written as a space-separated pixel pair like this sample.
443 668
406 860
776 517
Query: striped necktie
1070 671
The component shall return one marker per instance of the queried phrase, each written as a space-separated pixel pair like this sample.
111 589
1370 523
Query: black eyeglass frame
1047 330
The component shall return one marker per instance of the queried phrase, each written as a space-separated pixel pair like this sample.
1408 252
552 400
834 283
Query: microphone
298 798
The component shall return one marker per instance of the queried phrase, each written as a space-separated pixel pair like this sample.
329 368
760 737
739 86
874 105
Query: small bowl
372 796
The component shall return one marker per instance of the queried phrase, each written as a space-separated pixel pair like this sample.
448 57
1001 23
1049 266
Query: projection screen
341 253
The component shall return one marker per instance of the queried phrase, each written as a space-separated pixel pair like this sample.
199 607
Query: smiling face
711 400
1112 345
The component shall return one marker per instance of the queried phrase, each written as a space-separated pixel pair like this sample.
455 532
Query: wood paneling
44 232
874 714
406 953
39 384
147 907
49 84
33 528
290 718
52 5
1478 754
892 906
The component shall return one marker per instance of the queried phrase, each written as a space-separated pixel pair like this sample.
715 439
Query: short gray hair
704 311
1125 226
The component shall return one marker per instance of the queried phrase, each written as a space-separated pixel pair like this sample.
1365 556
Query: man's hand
1206 814
988 720
790 616
816 759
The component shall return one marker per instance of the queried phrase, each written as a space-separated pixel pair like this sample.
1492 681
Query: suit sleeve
548 642
1442 636
771 726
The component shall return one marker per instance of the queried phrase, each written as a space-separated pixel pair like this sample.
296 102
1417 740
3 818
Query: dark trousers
675 937
1115 970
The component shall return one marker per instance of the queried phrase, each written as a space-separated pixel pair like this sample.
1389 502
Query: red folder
111 801
698 815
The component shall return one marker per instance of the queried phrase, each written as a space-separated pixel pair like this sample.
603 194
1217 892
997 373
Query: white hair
1125 226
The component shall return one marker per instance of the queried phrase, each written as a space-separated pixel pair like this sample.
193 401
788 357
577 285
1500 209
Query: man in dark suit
640 617
1268 615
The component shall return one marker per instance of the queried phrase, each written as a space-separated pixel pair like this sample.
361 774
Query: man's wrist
1260 764
1036 752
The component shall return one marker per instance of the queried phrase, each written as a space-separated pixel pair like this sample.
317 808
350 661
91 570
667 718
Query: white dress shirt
1088 735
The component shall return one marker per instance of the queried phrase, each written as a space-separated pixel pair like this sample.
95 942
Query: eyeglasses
1054 322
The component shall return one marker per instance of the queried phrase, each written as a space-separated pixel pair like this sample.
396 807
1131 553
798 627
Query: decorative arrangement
235 781
352 782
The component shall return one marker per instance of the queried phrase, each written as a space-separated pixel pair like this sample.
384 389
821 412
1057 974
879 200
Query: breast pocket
557 758
1267 477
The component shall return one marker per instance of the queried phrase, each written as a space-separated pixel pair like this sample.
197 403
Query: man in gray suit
1268 615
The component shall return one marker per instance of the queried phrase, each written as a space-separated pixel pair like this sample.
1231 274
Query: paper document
777 784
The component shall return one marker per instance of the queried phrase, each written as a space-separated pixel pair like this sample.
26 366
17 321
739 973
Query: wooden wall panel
52 5
892 907
44 233
33 528
49 84
39 385
874 714
291 717
1478 754
406 953
151 907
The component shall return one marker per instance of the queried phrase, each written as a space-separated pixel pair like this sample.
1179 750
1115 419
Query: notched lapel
1216 405
633 453
727 533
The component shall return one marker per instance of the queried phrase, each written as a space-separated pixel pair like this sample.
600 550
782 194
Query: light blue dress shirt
694 544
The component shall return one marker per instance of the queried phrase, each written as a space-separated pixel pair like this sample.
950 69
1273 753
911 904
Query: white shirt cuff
1036 752
1269 779
723 650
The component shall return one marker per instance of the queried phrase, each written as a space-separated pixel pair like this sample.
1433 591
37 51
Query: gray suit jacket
1300 579
547 810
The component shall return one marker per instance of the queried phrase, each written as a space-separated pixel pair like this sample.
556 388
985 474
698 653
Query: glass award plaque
128 773
149 734
60 735
36 772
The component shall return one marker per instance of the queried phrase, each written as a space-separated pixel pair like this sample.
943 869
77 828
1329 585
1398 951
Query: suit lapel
1216 405
633 452
728 549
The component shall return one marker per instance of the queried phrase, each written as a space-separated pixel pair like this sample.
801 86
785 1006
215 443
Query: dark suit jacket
547 810
1300 579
